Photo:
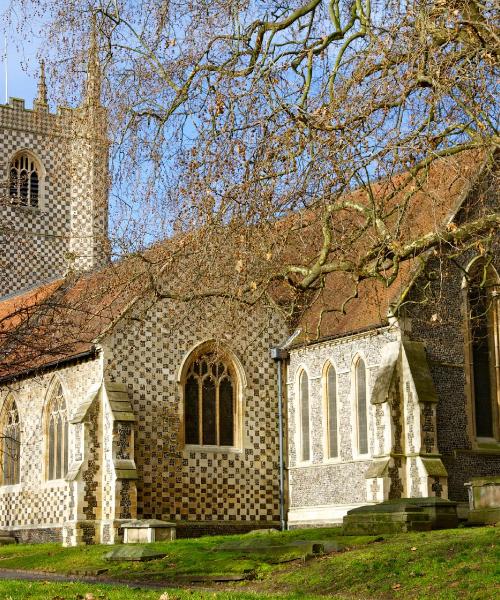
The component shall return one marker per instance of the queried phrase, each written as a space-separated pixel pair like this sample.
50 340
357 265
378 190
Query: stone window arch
56 427
304 417
330 392
482 287
212 386
26 179
361 405
10 442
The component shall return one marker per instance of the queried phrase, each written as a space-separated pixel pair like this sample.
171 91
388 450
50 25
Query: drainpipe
280 354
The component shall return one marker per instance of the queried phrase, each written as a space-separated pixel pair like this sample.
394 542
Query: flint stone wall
199 484
326 481
37 507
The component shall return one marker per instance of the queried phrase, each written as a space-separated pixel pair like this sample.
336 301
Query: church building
116 405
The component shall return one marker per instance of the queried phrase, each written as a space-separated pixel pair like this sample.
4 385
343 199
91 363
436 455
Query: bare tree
295 138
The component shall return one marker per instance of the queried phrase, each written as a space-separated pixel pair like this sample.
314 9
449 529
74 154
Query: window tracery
24 180
10 442
361 406
57 433
210 401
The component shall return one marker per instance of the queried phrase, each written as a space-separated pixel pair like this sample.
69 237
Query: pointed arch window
210 401
305 441
24 180
331 412
484 351
57 435
10 443
361 406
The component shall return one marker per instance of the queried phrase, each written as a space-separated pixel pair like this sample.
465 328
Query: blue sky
22 62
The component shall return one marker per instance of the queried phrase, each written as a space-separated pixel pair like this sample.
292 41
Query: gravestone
484 500
401 515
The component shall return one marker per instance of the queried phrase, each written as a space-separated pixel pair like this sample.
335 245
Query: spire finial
93 87
41 101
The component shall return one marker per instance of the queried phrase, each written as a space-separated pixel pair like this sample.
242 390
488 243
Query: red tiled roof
430 208
64 318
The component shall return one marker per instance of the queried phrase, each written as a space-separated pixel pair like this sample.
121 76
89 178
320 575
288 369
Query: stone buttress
102 477
406 462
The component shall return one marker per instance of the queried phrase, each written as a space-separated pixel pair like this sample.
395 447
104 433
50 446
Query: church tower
53 185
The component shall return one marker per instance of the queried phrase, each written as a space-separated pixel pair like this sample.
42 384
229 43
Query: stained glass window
57 428
23 181
331 407
305 450
10 443
209 399
361 407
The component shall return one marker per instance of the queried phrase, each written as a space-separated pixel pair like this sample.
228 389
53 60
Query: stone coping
146 524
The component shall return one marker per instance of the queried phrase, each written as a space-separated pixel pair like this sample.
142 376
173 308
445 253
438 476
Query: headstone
484 500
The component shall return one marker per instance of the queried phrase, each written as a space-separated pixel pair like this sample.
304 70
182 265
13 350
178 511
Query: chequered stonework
36 502
189 483
133 462
67 231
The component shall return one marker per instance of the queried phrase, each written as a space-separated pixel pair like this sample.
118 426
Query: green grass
19 590
183 557
444 565
439 565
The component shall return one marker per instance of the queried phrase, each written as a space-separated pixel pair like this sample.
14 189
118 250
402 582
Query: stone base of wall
43 535
192 529
319 516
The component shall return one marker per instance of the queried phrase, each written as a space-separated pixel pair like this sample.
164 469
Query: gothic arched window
210 401
484 351
330 382
305 442
361 406
10 442
24 180
57 435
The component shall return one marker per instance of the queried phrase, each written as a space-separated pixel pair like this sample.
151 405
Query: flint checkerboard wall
67 231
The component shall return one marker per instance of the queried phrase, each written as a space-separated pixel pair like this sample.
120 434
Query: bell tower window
24 180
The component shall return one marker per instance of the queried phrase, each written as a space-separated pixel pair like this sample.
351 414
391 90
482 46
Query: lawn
441 565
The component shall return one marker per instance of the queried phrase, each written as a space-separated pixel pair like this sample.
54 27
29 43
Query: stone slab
144 531
386 523
441 512
134 553
401 515
146 524
275 553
